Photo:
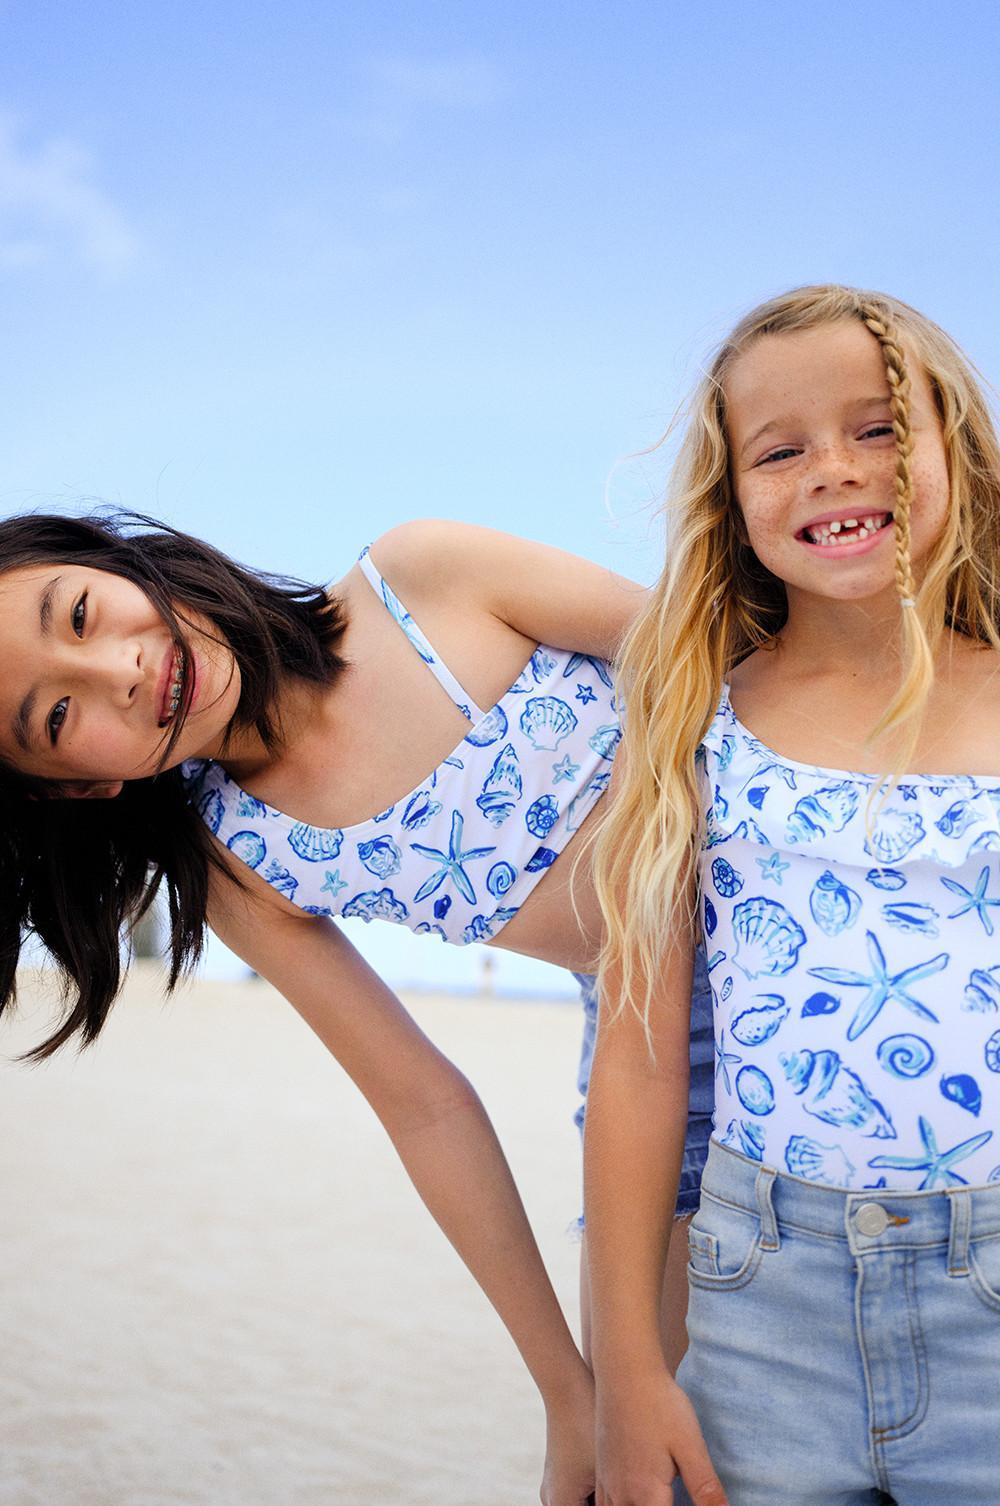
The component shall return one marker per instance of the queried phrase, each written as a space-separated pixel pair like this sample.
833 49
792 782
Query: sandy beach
219 1287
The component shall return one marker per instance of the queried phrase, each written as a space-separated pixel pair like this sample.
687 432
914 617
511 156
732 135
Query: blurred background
285 275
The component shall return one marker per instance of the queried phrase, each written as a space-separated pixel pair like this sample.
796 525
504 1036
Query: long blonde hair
715 603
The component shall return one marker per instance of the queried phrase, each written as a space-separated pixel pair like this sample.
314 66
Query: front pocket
723 1245
984 1266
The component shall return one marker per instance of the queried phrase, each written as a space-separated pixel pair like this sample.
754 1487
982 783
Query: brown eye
56 718
78 616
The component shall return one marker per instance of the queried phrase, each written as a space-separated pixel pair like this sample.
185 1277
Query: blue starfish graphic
724 1060
565 769
597 665
975 899
451 863
585 694
772 867
334 883
881 985
936 1163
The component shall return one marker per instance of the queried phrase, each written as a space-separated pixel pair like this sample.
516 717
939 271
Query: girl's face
814 459
89 668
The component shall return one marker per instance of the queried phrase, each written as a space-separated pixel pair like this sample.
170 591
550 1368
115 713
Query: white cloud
49 200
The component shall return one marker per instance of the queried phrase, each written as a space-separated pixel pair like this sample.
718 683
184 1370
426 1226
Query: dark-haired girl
423 743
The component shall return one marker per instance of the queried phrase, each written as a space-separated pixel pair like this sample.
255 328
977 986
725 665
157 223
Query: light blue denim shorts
701 1097
845 1347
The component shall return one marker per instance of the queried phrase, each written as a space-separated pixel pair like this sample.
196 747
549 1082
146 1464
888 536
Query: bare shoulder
426 554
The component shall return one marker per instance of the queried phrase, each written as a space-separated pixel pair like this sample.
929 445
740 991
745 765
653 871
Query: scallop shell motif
376 904
757 1024
982 992
963 1090
992 1052
896 833
490 729
886 878
542 815
381 857
958 818
605 740
727 881
546 721
834 906
815 1162
827 810
316 844
500 878
906 1056
541 858
541 665
249 805
211 809
768 937
820 1003
249 847
503 787
420 810
755 1090
747 1137
835 1094
912 917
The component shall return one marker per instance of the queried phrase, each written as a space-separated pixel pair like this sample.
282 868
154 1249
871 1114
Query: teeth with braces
176 686
830 535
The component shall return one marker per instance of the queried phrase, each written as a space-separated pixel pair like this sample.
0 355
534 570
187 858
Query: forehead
801 368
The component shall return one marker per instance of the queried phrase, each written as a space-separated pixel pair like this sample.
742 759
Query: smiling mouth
174 691
846 530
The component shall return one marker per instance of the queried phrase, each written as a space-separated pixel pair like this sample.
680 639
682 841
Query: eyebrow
777 423
21 725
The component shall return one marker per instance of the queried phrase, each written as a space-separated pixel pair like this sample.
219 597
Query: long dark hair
78 874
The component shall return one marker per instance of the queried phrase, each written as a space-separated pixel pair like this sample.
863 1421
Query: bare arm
445 1140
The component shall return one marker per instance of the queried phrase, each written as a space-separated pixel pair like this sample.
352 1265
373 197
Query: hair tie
907 601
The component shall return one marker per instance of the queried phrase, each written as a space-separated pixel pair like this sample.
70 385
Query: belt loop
961 1225
764 1188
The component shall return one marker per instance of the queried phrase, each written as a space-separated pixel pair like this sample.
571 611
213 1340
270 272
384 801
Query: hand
645 1440
569 1452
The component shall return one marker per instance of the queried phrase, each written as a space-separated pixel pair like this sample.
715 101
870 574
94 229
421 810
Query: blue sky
286 275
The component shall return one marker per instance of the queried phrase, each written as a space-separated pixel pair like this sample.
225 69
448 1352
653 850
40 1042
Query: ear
105 789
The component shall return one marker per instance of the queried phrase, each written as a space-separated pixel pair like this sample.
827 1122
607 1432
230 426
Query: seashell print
994 1175
982 992
502 788
912 917
726 751
896 833
605 740
958 818
579 807
420 810
376 904
278 876
828 810
992 1052
426 929
316 844
490 730
485 927
814 1162
727 989
384 815
906 1056
713 961
835 1093
711 919
760 1021
757 795
542 857
546 721
768 937
406 622
249 805
727 881
963 1090
987 841
442 906
316 910
541 815
720 806
249 847
886 878
820 1003
541 665
755 1090
500 878
381 857
745 1136
211 810
834 906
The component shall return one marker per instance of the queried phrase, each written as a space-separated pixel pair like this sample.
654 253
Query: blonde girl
824 633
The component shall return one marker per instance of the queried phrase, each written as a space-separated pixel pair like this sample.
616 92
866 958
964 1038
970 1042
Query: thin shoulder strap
466 705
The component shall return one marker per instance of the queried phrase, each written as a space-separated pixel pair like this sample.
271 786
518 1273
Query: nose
833 468
113 667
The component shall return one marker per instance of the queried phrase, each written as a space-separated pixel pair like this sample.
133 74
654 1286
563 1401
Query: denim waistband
878 1218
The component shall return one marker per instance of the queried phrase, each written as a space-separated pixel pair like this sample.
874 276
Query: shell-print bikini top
458 855
854 956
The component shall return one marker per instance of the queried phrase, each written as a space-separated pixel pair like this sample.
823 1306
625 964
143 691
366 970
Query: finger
703 1484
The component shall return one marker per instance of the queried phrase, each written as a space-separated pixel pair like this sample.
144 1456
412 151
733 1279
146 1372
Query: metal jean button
871 1219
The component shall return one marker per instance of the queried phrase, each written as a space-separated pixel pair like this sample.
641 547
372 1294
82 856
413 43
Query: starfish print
937 1164
451 863
882 986
975 899
334 883
597 665
565 769
724 1060
585 694
772 867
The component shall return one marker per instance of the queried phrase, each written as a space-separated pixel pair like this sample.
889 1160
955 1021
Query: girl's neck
822 635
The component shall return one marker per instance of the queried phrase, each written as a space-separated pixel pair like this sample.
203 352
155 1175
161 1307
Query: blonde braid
899 404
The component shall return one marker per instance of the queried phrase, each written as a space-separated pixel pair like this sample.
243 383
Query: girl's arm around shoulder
547 594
